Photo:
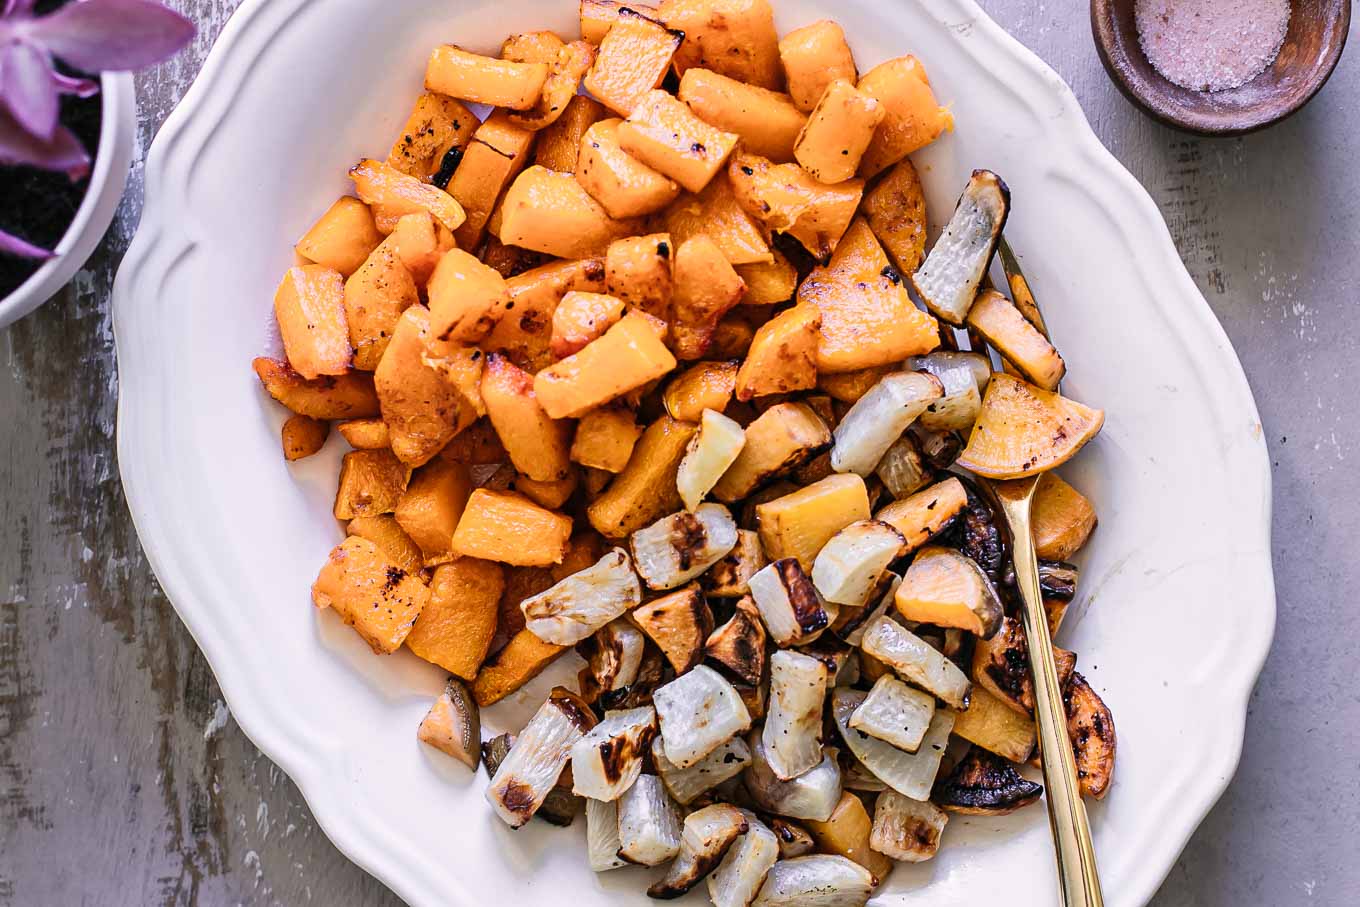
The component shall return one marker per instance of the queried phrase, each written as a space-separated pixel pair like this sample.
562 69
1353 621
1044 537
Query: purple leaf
62 153
29 92
13 245
105 35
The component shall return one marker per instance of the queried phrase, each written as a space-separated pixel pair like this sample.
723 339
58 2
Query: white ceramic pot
117 132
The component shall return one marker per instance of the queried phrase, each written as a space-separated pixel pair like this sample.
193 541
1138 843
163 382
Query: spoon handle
1076 856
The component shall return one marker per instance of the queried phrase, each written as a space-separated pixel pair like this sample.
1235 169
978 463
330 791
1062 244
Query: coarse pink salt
1211 45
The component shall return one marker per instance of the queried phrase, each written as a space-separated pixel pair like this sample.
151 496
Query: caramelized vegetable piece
767 121
398 194
347 396
867 317
738 646
706 287
485 80
733 37
645 490
629 355
846 834
633 58
913 118
581 318
879 418
849 387
679 624
838 131
799 524
342 238
384 531
498 152
303 436
370 593
637 270
946 589
431 506
559 144
1001 324
704 385
567 63
895 208
781 439
375 296
467 298
455 628
523 659
786 199
783 354
525 334
622 184
453 725
1091 727
728 577
1023 430
925 514
537 444
769 283
371 482
994 726
1062 519
310 308
584 601
598 16
716 213
905 829
813 57
551 212
423 409
605 438
542 750
504 527
983 784
1001 666
667 136
437 125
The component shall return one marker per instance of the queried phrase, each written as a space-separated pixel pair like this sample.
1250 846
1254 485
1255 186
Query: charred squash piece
347 396
303 436
645 490
423 409
838 131
984 784
667 136
1001 666
734 37
370 593
485 80
706 288
524 334
767 121
436 125
926 513
498 152
558 145
896 210
1003 326
679 624
704 385
371 482
622 184
716 213
813 57
397 194
567 63
626 357
780 440
637 271
787 199
1023 430
783 354
1091 727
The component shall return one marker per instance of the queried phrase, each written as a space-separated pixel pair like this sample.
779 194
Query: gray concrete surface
123 780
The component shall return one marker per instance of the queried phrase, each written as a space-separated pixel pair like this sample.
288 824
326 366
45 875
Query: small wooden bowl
1317 34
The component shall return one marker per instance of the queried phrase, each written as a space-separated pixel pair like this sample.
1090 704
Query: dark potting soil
38 206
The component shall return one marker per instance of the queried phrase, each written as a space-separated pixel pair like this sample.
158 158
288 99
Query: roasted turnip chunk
947 589
903 470
911 774
686 784
788 603
816 880
649 823
707 835
979 364
614 655
584 602
957 409
454 724
675 549
541 751
679 624
602 835
812 795
916 661
895 713
906 829
947 281
793 726
739 876
738 646
606 761
699 711
714 448
854 633
794 840
879 418
728 577
849 567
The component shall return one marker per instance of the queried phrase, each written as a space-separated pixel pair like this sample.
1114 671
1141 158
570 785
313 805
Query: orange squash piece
497 154
455 627
1062 518
945 588
372 594
605 438
598 16
645 491
365 434
478 445
383 186
375 297
559 144
767 121
667 136
416 242
423 409
384 531
1023 430
510 528
622 184
867 317
303 436
310 308
537 444
912 118
567 63
484 80
732 37
437 124
783 354
467 298
706 288
813 57
342 238
633 58
637 270
524 334
431 506
785 198
769 283
551 212
704 385
523 659
896 210
582 317
371 482
552 495
838 131
629 355
348 396
848 387
716 213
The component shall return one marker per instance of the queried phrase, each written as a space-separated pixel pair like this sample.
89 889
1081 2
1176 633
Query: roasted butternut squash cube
838 131
510 528
786 199
310 308
484 80
799 524
348 396
598 16
896 210
551 212
372 594
769 283
716 213
478 445
1062 518
371 482
384 531
867 317
303 436
523 659
633 58
537 444
629 355
778 441
667 136
467 298
645 491
455 627
704 385
342 238
767 121
437 124
605 438
559 144
423 409
525 333
375 297
706 288
637 271
497 154
416 242
567 63
397 194
365 434
813 57
920 516
582 317
622 184
848 387
732 37
783 354
912 118
552 495
431 505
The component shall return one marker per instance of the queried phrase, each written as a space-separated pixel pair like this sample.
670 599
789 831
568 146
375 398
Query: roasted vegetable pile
640 374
